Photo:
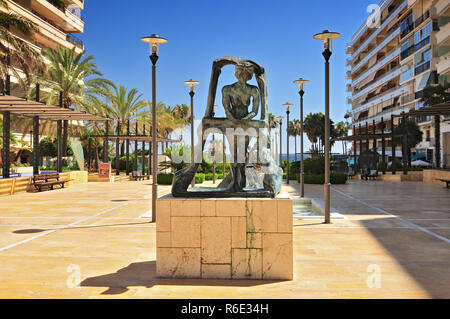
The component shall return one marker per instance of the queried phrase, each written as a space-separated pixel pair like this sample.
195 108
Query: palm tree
121 105
311 128
273 122
414 135
14 51
294 130
75 76
342 131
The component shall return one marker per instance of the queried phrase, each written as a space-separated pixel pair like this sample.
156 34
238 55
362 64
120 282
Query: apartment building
56 20
392 62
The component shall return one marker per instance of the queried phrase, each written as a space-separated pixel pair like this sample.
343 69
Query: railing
414 48
408 29
422 43
392 33
58 4
74 40
383 23
407 74
398 90
385 77
422 18
407 98
389 56
422 68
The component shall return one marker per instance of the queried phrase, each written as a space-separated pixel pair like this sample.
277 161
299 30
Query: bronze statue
236 100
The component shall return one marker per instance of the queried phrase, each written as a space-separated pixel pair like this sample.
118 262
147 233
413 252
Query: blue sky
276 34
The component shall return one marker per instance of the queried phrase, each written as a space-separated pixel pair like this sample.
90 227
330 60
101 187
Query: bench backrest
45 177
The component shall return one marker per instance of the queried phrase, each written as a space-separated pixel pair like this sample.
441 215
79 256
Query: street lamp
192 83
326 36
280 120
287 105
154 42
301 82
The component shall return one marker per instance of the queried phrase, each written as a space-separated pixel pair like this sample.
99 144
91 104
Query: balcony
408 29
422 68
384 23
49 35
443 35
348 74
405 76
391 36
380 98
408 98
349 87
385 115
391 74
74 40
422 18
414 48
349 49
443 66
54 11
390 56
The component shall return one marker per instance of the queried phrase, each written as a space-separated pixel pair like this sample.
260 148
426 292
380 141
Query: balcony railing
407 74
415 47
422 18
405 99
422 68
422 43
74 40
408 29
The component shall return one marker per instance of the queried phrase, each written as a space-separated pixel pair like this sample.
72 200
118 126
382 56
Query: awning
418 156
27 108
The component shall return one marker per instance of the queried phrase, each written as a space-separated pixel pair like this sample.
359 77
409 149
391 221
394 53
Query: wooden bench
49 180
446 181
136 176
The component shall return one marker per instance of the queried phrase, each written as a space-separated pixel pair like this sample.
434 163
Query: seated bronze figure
239 121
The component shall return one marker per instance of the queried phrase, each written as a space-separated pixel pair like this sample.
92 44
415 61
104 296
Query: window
428 137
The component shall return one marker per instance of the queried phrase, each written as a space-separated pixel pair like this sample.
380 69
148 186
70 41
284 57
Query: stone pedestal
235 238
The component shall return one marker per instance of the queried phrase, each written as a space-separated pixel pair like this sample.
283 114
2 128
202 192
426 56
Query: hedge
199 178
335 178
165 179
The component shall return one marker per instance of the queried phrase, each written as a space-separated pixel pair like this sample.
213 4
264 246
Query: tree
436 94
14 50
342 131
76 76
122 105
414 134
294 130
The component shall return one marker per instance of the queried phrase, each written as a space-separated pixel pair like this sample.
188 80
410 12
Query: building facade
56 20
391 62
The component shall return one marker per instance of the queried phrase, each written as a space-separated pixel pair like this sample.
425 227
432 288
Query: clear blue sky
276 34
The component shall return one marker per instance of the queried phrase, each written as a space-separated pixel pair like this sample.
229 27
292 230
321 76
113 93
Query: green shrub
165 179
199 178
338 178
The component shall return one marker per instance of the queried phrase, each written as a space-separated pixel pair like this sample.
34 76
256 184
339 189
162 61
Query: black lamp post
301 82
154 42
287 105
192 83
326 36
